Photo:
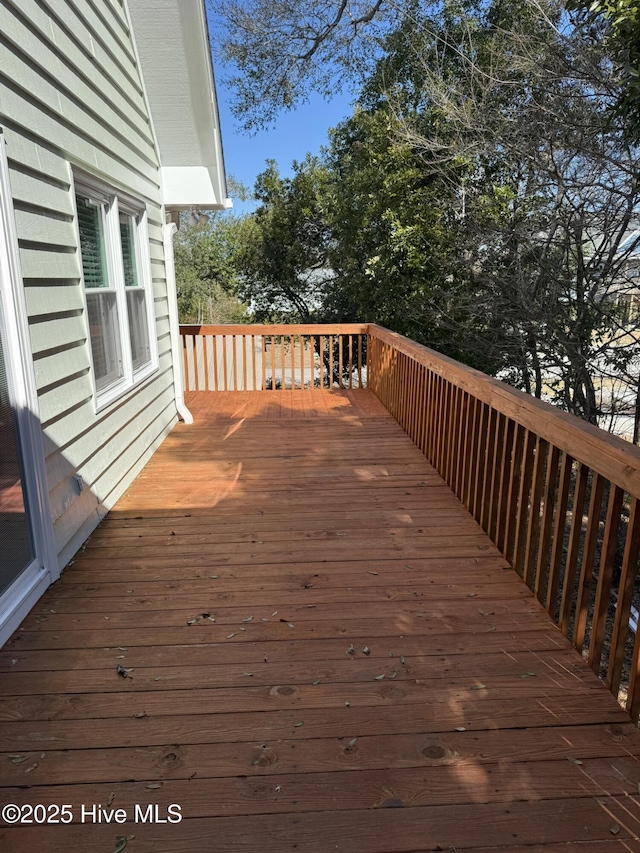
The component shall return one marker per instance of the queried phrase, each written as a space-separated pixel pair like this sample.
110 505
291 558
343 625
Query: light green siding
71 96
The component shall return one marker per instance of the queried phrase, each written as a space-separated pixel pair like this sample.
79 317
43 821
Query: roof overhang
172 43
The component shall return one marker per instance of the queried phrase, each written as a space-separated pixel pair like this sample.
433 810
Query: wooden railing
558 496
261 358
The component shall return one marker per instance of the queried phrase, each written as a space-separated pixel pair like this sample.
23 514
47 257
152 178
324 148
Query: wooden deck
320 650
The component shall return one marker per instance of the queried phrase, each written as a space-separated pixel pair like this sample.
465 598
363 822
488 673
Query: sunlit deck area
293 629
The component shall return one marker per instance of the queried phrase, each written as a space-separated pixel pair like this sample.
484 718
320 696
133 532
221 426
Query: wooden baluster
437 422
559 528
465 442
224 362
480 461
465 446
205 359
252 343
331 362
515 482
340 362
398 386
325 350
625 598
292 362
216 378
312 351
457 439
414 399
506 472
410 392
533 526
274 361
460 441
489 468
472 449
392 382
443 426
551 487
426 392
243 344
233 368
498 462
577 513
185 356
452 394
605 572
426 421
422 409
282 376
234 362
263 338
523 501
350 362
405 392
433 425
588 559
397 383
231 344
449 430
194 359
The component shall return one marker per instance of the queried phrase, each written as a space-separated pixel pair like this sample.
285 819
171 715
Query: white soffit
172 41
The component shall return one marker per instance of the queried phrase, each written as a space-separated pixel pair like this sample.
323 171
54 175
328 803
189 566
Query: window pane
128 240
91 228
138 328
105 338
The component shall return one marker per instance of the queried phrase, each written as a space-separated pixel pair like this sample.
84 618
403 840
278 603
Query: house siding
71 96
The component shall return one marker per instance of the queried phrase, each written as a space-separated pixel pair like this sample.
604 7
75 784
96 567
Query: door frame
20 597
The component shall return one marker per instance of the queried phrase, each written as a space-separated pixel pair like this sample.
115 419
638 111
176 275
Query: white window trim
89 186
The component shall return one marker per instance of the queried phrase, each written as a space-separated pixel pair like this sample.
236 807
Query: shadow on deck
320 649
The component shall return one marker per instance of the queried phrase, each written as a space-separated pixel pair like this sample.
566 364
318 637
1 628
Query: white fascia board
184 187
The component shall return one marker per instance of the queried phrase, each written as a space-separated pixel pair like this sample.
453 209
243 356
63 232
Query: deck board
250 556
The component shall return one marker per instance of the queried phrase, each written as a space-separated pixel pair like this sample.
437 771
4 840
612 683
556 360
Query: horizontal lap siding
71 95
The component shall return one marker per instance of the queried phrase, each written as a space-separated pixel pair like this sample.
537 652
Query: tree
620 20
522 96
206 278
283 253
281 50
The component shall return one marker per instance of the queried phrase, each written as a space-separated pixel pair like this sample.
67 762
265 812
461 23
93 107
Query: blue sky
294 134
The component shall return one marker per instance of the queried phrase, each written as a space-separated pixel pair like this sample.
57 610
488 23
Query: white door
27 553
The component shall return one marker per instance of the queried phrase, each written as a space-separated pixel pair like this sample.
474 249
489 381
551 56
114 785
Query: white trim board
20 597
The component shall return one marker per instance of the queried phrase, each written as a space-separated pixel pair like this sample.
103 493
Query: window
116 276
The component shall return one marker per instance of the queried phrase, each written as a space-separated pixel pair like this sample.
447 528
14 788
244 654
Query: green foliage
621 19
206 277
282 258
